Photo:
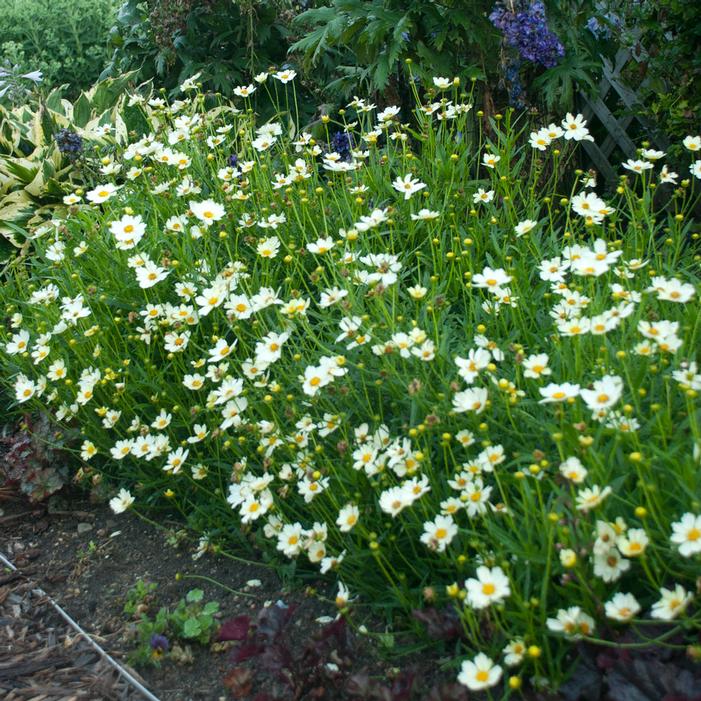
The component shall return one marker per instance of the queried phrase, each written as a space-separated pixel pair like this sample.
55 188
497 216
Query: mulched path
42 658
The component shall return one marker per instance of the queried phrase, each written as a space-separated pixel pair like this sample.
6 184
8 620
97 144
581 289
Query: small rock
84 528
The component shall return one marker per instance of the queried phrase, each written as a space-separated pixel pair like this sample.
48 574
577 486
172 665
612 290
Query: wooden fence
617 128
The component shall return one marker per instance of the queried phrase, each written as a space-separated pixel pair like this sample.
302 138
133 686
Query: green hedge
65 39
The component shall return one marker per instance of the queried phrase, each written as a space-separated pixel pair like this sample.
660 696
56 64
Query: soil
87 559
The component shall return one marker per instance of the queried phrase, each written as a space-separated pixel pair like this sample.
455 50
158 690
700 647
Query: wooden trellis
616 127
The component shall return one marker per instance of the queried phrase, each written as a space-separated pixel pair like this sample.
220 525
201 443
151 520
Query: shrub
64 39
434 362
219 40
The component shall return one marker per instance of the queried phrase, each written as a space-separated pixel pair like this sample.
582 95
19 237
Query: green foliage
665 35
437 357
34 174
191 621
372 38
138 597
221 40
67 40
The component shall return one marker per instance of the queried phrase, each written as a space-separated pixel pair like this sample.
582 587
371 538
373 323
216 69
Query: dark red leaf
235 629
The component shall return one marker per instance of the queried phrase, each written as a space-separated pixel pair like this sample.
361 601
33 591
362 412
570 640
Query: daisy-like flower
573 622
558 392
245 90
622 607
473 400
121 502
695 169
672 603
425 215
573 470
489 160
686 533
268 248
591 497
692 143
575 128
101 193
285 76
633 543
514 652
525 226
442 83
128 231
479 673
439 533
491 586
408 185
207 211
348 518
491 278
536 366
483 195
540 139
150 274
637 166
604 393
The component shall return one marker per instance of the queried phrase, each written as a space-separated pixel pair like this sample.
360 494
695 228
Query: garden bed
87 560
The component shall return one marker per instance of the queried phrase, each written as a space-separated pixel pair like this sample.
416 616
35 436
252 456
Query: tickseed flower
491 586
623 607
408 185
686 534
121 502
479 673
672 603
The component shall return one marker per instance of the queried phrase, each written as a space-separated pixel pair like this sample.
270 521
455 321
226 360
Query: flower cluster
526 30
422 361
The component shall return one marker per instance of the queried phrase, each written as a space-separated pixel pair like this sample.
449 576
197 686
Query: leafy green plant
220 41
138 597
67 40
362 44
421 353
36 170
191 621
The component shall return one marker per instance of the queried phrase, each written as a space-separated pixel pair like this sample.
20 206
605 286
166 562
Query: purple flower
159 645
342 144
69 143
527 31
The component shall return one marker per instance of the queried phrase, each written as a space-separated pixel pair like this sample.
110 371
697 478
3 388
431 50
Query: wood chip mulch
42 658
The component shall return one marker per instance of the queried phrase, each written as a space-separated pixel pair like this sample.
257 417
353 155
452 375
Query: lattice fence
614 94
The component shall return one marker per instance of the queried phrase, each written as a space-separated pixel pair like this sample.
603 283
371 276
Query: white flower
490 587
101 193
408 185
575 128
525 226
442 83
673 602
573 622
347 518
687 534
637 166
623 607
285 76
473 399
121 502
479 673
483 195
207 211
439 533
